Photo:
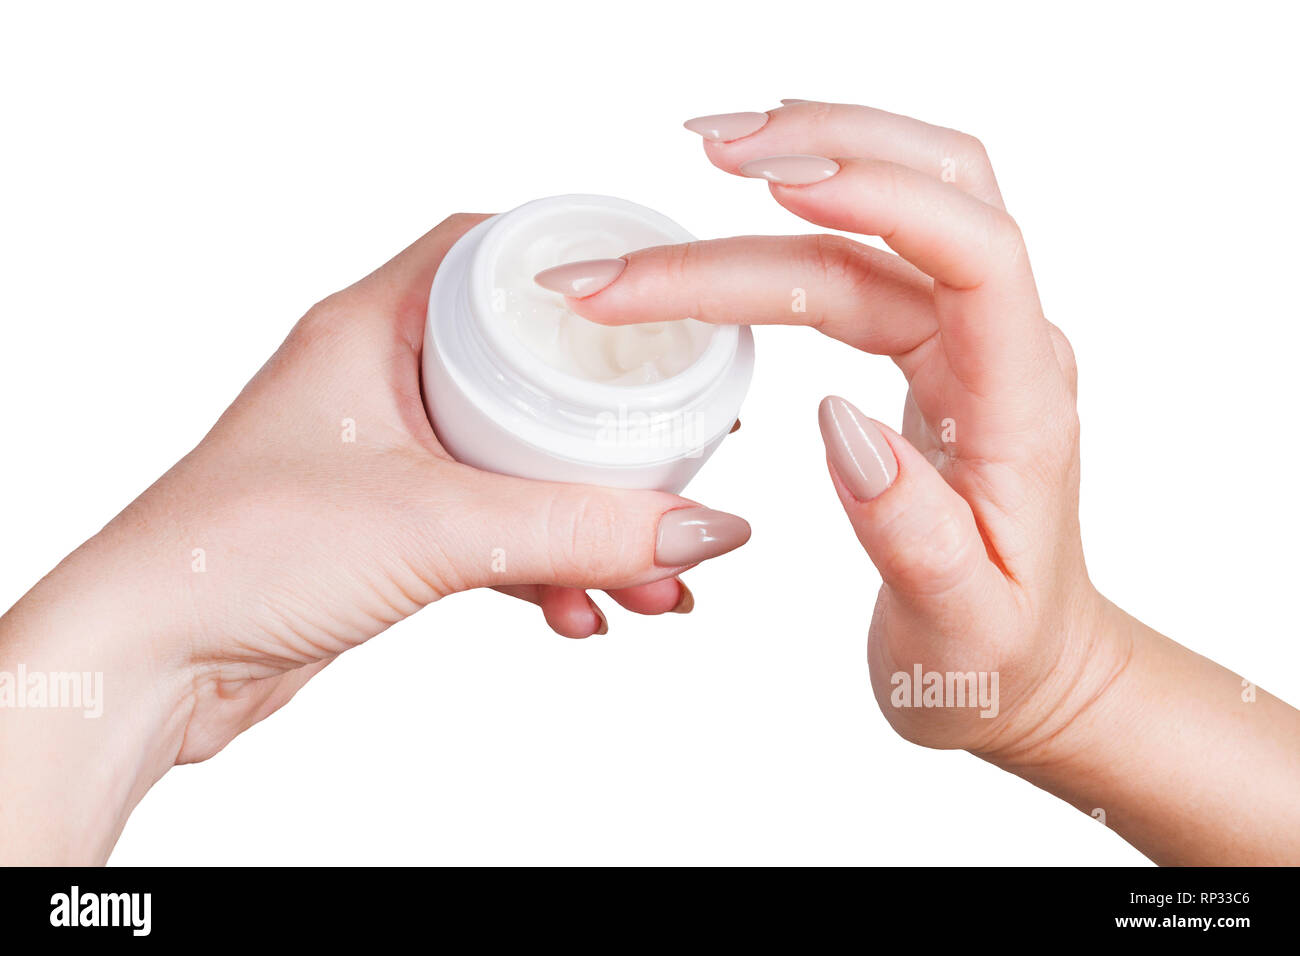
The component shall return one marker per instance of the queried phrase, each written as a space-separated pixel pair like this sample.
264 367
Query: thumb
920 534
583 536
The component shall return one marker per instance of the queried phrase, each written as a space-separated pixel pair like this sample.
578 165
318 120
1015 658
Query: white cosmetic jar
497 403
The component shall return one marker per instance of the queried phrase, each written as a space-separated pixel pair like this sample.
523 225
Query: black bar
330 905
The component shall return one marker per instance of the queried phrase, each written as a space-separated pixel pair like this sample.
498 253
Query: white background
179 186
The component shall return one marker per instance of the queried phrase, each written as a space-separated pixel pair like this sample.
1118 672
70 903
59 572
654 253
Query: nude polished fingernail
724 127
685 600
602 624
691 535
581 279
857 449
794 170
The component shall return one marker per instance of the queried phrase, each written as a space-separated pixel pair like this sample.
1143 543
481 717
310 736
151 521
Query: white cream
540 320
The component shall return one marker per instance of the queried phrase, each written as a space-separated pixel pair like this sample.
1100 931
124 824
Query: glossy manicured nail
602 623
686 602
691 535
581 279
857 449
792 170
735 428
724 127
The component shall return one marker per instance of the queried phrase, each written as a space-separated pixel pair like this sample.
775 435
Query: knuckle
932 556
891 181
971 157
1070 431
973 148
820 114
1073 429
843 266
1057 463
680 259
1008 230
332 308
1006 239
323 322
586 532
462 220
836 258
1064 352
668 263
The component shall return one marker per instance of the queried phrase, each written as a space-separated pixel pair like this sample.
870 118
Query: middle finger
837 129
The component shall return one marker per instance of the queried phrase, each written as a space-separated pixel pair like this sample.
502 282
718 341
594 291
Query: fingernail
857 449
691 535
581 279
724 127
793 102
685 603
735 428
791 170
600 618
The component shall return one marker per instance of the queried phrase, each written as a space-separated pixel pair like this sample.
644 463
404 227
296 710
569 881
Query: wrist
93 705
1059 722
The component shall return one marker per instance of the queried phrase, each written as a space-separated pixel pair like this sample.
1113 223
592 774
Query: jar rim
593 424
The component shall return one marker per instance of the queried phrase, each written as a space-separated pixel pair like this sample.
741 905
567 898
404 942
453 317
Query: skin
976 539
311 546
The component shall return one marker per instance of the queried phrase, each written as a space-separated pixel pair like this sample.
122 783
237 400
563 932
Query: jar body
496 405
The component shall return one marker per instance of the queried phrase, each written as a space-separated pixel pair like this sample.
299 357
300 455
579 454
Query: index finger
865 297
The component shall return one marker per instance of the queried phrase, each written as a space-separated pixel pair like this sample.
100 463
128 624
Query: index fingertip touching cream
517 383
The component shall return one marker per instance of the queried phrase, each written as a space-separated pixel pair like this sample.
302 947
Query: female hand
318 511
971 514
